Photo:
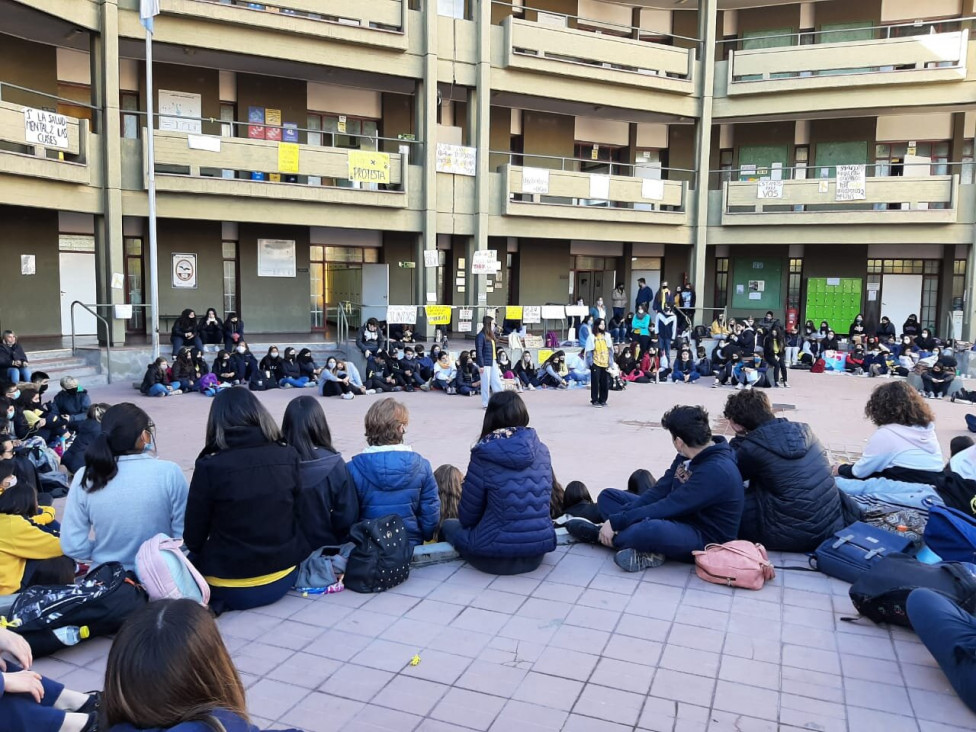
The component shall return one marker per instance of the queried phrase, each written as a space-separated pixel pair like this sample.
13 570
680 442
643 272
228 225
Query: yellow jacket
20 540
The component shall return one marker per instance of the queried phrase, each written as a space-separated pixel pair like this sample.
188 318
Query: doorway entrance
335 276
901 296
76 259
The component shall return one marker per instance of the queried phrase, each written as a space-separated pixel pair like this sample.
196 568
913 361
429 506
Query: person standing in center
486 350
599 350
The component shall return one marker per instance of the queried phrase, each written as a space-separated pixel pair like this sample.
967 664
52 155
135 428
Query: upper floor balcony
850 195
887 67
608 65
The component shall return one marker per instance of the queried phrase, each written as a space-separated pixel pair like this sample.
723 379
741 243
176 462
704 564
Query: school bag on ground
852 551
951 534
100 602
734 564
166 573
552 340
381 556
881 593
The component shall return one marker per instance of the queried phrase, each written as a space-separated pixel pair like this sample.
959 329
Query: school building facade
810 158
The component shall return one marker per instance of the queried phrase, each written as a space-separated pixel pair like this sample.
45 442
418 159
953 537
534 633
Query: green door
756 162
836 300
830 154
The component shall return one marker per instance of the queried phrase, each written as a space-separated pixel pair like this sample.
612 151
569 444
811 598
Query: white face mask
241 349
10 413
274 354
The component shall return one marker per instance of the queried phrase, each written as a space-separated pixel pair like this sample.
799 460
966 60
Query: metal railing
104 322
872 170
96 111
612 167
833 35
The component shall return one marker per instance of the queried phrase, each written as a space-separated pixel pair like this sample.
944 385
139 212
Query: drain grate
639 424
783 407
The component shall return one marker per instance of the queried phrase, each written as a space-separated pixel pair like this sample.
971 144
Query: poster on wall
287 157
366 166
401 314
535 180
276 257
185 271
180 111
600 187
770 189
255 127
438 314
28 264
652 189
457 159
46 129
432 258
531 314
483 262
272 118
850 185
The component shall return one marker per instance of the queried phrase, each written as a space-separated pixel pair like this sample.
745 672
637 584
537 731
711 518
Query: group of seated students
208 333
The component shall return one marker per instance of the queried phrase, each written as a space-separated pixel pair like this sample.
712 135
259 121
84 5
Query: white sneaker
748 387
738 387
348 395
786 385
531 388
371 391
176 392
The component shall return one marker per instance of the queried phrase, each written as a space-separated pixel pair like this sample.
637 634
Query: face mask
10 413
241 349
149 446
860 320
15 395
331 365
274 355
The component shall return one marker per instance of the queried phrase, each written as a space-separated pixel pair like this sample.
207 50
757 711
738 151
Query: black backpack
101 602
381 557
880 593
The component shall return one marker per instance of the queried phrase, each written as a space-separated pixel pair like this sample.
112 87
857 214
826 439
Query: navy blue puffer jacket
401 482
504 509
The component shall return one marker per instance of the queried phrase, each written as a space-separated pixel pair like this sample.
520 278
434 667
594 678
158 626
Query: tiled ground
576 645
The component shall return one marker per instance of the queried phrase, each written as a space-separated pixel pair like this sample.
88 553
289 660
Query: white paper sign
276 257
28 264
118 281
176 105
403 314
185 271
483 262
822 186
210 143
872 295
464 326
46 129
850 185
465 314
600 187
431 297
431 258
873 286
577 311
535 180
755 296
833 281
457 159
770 189
553 312
531 314
652 190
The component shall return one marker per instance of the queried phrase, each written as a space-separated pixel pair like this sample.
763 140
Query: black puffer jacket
792 502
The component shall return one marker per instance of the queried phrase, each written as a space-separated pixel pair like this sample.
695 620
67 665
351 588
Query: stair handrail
108 332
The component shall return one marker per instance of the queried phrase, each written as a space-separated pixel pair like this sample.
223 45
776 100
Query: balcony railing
376 22
926 58
576 53
232 166
18 156
567 194
931 199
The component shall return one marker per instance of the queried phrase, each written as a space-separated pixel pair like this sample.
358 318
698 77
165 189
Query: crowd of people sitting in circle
262 496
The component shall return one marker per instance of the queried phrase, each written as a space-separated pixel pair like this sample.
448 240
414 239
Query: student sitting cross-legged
697 502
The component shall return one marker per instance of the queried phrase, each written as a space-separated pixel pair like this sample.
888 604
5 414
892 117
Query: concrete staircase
61 362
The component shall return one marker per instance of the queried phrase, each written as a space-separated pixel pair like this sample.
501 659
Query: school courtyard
577 644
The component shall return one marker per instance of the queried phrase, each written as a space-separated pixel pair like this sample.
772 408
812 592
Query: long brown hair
449 480
897 402
169 665
486 327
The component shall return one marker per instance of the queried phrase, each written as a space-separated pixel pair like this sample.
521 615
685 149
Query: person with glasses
124 494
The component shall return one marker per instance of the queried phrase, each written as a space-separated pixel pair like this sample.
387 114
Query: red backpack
818 366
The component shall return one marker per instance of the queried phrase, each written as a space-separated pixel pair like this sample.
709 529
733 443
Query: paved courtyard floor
577 644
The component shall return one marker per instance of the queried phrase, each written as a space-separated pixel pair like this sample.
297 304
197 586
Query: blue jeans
949 632
158 390
245 598
22 714
179 342
659 536
19 374
578 377
679 376
299 382
490 382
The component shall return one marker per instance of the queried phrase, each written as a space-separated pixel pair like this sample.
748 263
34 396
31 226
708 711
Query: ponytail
122 426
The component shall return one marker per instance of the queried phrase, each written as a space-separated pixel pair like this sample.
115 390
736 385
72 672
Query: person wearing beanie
72 402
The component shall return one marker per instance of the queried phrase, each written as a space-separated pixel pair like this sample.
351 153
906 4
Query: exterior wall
31 65
840 11
401 248
29 305
544 271
777 17
547 134
273 304
191 79
398 119
288 95
202 238
499 135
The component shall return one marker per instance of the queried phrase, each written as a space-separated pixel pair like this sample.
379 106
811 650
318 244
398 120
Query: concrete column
707 20
479 124
427 110
109 250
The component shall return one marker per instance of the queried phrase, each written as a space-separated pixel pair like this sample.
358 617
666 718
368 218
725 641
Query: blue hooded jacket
504 508
230 721
400 482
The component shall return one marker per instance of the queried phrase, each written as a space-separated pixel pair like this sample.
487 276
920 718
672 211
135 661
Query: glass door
316 276
134 286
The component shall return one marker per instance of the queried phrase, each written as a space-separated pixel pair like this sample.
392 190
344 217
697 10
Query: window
795 284
134 285
231 277
334 130
721 281
928 314
958 284
130 117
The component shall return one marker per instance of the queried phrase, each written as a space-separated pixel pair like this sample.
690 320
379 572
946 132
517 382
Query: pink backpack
166 573
735 564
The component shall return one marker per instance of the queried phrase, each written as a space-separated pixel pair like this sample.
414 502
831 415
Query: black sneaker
583 530
93 705
631 560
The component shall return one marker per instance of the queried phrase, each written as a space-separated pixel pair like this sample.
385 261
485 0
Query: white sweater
898 446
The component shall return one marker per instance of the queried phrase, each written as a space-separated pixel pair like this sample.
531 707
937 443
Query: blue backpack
951 534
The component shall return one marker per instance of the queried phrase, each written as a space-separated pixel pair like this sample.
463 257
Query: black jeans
599 384
490 565
778 365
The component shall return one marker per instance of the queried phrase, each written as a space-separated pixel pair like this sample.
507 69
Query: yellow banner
544 353
369 167
287 157
513 312
438 314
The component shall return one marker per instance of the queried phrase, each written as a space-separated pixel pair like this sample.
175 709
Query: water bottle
71 635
